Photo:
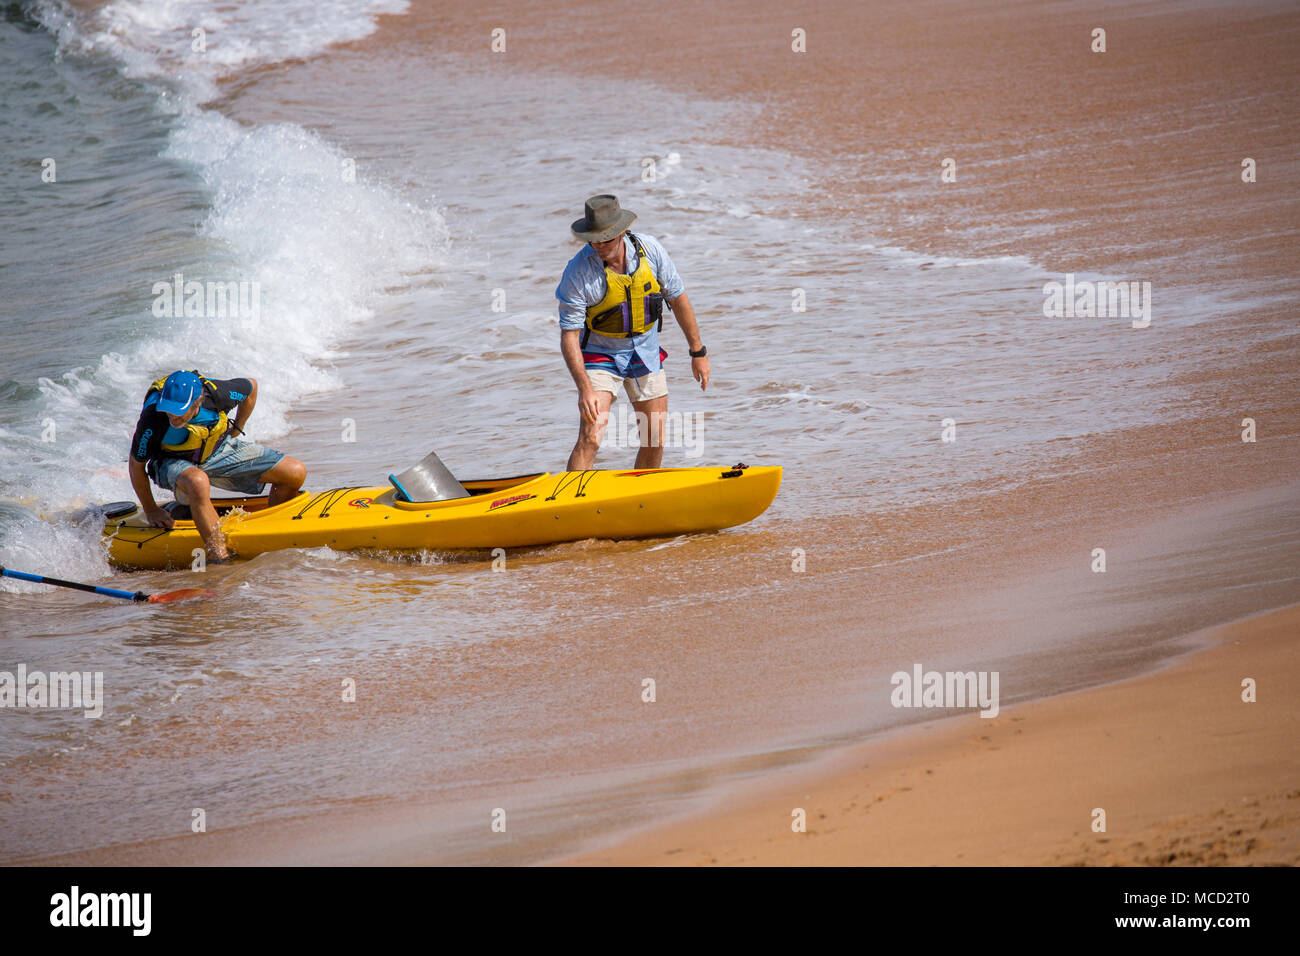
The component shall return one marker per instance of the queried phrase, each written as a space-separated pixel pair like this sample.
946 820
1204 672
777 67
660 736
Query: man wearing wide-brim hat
611 297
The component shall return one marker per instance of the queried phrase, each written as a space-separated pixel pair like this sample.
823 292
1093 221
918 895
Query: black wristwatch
704 350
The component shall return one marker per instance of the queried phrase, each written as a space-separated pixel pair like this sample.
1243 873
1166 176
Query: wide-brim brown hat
604 219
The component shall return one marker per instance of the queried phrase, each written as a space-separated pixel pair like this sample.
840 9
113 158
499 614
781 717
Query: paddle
166 597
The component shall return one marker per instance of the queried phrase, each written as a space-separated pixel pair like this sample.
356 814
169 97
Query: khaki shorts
654 385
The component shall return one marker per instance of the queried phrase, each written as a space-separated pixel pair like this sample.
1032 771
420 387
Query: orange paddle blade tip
184 594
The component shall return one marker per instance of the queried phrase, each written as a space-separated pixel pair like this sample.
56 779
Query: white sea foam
156 39
325 247
323 250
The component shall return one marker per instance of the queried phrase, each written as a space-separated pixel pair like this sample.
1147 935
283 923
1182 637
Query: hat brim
173 408
625 218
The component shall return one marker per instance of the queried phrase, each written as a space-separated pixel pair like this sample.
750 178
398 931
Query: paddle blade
184 594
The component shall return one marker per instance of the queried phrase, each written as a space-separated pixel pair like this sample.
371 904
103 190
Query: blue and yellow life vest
633 304
198 438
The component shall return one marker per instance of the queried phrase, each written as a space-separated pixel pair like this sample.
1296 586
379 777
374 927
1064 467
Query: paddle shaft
107 592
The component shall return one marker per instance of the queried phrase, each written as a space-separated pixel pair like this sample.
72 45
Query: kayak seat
430 480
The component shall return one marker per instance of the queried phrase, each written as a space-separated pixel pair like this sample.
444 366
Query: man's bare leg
651 417
193 484
286 480
590 435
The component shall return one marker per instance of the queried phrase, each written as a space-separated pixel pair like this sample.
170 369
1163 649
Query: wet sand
1187 773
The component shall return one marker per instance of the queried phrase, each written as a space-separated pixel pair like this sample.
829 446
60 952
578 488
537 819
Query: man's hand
588 405
684 313
158 518
700 369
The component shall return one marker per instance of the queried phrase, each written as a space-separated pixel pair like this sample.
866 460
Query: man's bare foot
216 548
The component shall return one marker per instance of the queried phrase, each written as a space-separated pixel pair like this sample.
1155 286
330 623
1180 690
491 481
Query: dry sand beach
1188 774
1120 690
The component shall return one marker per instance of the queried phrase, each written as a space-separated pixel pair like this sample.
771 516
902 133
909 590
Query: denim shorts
236 465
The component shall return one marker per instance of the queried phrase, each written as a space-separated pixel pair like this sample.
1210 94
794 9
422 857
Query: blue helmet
179 392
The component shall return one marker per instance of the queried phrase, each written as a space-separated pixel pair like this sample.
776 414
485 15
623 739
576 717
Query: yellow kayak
518 512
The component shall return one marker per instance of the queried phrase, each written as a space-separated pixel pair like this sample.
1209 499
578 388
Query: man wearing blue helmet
186 441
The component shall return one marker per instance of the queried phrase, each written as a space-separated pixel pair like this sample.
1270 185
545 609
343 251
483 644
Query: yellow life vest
200 441
632 304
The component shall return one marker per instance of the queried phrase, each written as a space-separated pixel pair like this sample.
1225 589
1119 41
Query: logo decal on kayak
637 474
360 502
505 502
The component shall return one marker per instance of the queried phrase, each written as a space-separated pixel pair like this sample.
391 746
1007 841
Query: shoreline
1187 773
1186 778
901 81
666 804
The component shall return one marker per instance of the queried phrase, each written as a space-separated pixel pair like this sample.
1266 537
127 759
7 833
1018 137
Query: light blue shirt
583 284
